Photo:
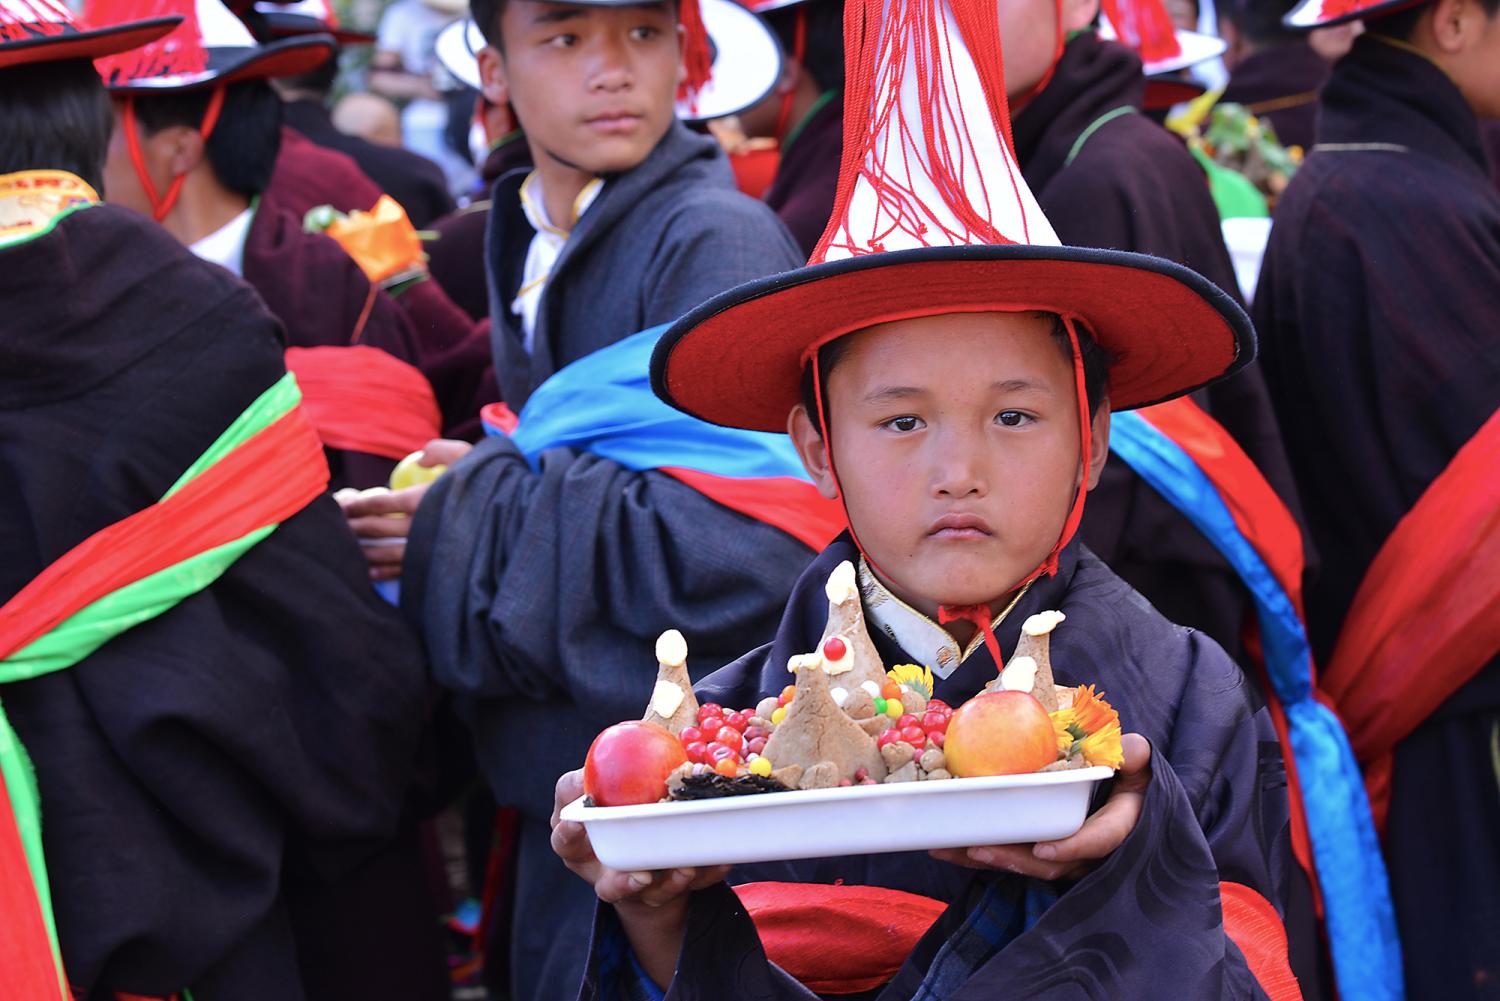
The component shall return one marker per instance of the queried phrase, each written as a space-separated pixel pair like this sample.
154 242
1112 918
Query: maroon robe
1280 85
1489 132
808 174
322 298
455 255
307 175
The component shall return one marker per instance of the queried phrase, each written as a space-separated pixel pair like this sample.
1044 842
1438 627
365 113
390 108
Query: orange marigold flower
1091 712
1103 747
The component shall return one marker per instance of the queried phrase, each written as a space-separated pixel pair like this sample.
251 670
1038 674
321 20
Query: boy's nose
959 469
611 68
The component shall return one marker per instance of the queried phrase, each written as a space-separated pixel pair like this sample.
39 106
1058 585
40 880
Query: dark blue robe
1149 916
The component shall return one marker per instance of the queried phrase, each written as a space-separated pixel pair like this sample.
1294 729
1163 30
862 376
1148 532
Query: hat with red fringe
210 48
1147 29
1310 14
933 216
45 31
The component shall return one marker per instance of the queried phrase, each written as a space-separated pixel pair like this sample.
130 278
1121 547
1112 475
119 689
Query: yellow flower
918 679
1103 747
1089 726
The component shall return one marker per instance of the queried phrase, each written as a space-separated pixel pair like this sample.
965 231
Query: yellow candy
409 472
761 766
894 709
778 715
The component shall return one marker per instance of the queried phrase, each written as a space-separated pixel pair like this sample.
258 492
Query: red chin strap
981 615
799 53
161 205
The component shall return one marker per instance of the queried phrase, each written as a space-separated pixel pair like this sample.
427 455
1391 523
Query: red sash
268 479
366 400
842 939
1426 617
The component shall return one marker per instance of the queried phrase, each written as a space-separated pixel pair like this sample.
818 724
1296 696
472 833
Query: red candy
915 736
738 720
718 752
756 746
887 737
711 725
937 738
907 720
934 722
690 735
697 752
835 648
730 738
708 709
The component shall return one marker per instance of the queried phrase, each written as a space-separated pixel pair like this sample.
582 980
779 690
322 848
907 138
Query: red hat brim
93 43
1309 14
738 359
287 57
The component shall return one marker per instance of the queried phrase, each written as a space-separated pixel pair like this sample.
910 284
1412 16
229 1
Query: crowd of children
755 289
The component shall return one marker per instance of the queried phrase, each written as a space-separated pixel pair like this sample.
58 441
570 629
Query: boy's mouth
960 526
614 121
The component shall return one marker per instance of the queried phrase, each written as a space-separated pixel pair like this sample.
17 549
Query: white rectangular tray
853 820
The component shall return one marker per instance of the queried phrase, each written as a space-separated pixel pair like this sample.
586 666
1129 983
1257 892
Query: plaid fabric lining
1007 909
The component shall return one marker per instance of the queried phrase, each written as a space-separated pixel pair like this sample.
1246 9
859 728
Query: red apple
999 733
629 762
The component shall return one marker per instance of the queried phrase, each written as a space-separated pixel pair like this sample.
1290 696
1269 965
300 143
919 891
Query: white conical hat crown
928 157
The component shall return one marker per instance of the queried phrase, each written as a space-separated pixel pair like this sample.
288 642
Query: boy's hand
653 889
1072 857
652 906
381 521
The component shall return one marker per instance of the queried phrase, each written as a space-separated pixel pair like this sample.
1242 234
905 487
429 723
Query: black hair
242 147
319 80
824 56
1096 363
487 14
1402 22
1259 21
55 116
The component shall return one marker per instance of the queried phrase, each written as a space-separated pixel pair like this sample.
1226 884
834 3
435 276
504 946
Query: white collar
546 246
225 246
922 639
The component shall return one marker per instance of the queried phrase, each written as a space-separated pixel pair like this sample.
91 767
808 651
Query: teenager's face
956 442
594 87
122 185
1028 37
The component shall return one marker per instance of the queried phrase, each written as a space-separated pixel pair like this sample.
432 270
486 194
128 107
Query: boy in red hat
181 749
948 371
1377 298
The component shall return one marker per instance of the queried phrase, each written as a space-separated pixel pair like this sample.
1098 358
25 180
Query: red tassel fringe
179 53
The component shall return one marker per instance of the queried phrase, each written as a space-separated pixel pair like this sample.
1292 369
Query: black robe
1149 916
197 770
1131 185
414 181
1376 311
541 594
1280 84
807 175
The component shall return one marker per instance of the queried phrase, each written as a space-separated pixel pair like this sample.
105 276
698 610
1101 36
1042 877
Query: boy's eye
644 33
904 424
562 41
1012 418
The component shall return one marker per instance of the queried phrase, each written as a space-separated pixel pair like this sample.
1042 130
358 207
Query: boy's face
956 443
1028 29
594 87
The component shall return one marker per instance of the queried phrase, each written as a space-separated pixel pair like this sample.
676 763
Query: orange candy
890 690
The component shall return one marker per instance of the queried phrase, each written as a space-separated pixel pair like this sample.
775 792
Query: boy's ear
494 84
1098 443
810 450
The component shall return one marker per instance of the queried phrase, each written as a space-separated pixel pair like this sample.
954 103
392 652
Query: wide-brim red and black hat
933 216
210 48
299 18
45 31
1310 14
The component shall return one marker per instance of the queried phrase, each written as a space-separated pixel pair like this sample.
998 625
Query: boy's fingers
613 886
1101 834
709 876
569 787
383 502
443 452
1135 773
667 887
380 527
